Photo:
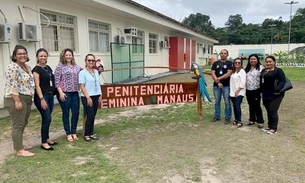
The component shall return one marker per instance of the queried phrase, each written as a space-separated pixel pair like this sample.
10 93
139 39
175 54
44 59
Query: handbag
287 86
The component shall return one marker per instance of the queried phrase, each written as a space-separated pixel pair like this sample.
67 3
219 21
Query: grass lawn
167 143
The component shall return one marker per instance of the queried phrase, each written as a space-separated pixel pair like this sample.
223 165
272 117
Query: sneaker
227 121
271 131
265 129
215 119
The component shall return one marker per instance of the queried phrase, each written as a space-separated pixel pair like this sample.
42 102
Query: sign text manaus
125 95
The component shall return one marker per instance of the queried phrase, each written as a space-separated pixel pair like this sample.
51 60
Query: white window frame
61 31
139 39
153 43
101 42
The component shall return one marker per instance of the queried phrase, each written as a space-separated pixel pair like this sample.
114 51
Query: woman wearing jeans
237 89
44 96
66 82
91 95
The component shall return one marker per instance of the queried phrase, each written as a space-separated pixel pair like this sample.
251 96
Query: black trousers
272 107
90 112
255 109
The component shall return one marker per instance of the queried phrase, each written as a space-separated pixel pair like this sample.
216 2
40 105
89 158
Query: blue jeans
236 107
45 114
225 91
71 103
90 112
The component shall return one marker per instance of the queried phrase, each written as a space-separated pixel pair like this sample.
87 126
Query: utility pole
291 3
272 25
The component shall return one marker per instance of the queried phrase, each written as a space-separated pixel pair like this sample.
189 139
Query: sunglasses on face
90 60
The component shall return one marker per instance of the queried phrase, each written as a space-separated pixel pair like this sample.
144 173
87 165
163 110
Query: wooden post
199 100
199 104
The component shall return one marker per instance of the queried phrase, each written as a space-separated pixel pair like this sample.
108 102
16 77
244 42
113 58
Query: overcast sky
252 11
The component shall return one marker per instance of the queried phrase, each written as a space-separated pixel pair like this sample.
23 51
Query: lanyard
93 75
46 69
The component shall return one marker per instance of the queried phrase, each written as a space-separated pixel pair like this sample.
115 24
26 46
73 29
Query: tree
237 32
234 22
199 22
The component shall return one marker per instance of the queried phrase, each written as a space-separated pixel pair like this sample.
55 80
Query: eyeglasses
91 60
237 62
20 54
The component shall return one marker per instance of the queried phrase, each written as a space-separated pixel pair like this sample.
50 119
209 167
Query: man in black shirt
221 71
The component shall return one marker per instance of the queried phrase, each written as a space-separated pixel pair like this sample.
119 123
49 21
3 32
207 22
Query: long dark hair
257 67
18 47
272 58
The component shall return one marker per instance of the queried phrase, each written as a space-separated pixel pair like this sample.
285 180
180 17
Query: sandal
238 125
69 138
251 123
87 138
75 137
24 153
234 122
260 125
94 137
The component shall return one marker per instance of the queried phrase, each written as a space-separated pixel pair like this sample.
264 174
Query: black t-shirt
221 68
45 76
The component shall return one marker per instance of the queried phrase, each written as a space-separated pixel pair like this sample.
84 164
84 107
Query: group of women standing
257 82
23 85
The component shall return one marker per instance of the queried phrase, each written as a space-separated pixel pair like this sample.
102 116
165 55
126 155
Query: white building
99 27
261 49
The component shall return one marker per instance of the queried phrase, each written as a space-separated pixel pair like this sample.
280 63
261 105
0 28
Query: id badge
220 72
51 83
95 89
32 83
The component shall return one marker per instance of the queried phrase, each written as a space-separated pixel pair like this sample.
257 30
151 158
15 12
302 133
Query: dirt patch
33 138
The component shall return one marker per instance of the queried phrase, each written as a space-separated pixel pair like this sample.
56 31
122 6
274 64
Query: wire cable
3 16
49 22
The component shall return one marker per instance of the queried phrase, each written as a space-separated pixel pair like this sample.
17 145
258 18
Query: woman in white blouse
237 90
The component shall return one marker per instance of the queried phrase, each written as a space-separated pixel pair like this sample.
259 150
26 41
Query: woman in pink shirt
66 82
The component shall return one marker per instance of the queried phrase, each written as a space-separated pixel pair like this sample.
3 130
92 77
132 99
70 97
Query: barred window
60 33
138 40
99 34
153 43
